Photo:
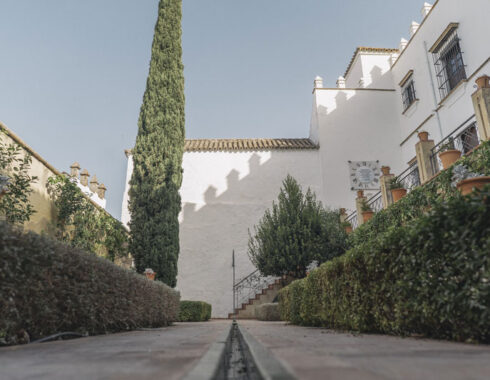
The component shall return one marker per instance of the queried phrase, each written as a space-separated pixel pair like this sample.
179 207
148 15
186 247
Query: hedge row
47 287
268 312
430 276
194 311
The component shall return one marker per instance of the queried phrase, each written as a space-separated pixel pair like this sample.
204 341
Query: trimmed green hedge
430 276
47 287
268 312
194 311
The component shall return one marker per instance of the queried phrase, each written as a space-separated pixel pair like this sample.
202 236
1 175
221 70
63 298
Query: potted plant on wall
347 227
398 191
466 181
449 154
367 212
150 274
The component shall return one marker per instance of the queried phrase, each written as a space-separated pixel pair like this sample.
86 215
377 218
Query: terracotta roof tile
203 145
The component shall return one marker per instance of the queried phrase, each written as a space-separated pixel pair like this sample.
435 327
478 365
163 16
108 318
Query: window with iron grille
408 94
448 61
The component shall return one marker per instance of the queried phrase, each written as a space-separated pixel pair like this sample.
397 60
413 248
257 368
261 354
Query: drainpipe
432 82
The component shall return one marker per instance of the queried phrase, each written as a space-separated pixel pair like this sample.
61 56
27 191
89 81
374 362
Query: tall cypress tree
157 176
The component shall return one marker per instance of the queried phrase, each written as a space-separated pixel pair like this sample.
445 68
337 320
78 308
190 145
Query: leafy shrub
82 225
15 165
268 312
194 311
48 287
430 276
294 233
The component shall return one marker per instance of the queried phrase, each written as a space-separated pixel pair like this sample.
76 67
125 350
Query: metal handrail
374 202
460 143
410 177
245 278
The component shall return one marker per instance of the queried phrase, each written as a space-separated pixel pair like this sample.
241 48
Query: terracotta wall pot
348 229
424 136
398 194
449 157
467 186
360 193
385 170
483 81
150 276
367 215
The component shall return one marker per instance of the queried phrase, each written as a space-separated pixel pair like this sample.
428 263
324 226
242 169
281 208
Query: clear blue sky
72 73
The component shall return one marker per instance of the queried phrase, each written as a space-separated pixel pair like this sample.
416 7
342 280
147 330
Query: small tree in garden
296 231
15 165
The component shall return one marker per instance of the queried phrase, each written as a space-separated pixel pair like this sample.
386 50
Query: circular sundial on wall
364 175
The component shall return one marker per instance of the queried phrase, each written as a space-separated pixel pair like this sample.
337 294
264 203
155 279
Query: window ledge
443 100
410 106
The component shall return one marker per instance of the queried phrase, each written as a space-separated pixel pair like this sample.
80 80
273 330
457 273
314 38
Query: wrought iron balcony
465 138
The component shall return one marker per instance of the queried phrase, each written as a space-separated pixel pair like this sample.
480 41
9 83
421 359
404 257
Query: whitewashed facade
373 113
364 117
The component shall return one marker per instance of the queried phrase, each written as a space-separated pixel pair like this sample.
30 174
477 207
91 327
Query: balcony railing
465 139
352 219
410 177
376 202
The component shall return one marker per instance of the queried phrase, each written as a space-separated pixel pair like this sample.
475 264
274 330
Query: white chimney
318 82
413 28
403 44
393 58
341 82
426 9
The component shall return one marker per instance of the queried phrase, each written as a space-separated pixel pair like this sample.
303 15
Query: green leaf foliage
154 194
15 164
296 231
48 287
81 224
194 311
429 276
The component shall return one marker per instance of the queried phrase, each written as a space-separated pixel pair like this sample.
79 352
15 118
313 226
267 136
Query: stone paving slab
314 353
167 353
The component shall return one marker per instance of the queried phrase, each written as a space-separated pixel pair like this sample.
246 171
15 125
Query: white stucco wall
223 195
373 68
125 216
354 125
372 125
472 17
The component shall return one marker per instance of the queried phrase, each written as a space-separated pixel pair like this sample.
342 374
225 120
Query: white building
374 113
227 186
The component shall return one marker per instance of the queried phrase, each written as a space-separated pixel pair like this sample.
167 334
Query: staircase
252 291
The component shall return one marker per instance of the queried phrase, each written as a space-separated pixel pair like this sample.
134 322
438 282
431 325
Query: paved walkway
308 353
313 353
167 353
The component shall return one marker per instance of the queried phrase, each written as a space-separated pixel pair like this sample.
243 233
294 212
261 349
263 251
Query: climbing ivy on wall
15 165
80 224
154 194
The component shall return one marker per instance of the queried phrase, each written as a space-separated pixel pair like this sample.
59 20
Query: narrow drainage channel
239 363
